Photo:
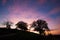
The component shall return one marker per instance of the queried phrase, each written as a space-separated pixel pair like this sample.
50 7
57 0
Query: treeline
39 25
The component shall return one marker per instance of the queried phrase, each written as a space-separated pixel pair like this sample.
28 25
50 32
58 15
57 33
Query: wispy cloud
41 2
54 10
27 11
4 2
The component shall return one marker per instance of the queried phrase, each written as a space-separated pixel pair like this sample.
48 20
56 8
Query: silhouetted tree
22 25
8 24
40 25
33 25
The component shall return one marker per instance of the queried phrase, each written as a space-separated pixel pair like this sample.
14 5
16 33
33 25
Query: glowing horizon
31 10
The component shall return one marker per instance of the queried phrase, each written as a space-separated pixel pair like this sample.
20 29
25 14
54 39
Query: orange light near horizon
55 32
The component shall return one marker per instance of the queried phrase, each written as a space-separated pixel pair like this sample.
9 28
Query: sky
31 10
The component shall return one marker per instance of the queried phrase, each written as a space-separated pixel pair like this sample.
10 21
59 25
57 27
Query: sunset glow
29 11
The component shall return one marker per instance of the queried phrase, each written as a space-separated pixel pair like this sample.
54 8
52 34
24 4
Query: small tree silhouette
22 25
8 24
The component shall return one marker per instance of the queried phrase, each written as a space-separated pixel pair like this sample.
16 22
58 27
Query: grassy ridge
13 34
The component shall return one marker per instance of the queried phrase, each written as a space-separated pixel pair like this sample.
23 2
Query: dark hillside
13 34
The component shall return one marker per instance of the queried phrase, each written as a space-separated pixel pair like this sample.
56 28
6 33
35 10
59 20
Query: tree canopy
22 25
40 25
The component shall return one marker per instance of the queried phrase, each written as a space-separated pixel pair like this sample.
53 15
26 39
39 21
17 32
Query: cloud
19 12
4 2
54 1
54 10
27 15
42 1
57 22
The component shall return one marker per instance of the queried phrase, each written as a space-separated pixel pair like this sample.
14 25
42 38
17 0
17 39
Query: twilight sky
30 10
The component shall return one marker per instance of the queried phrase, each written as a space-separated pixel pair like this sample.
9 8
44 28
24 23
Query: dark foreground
13 34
